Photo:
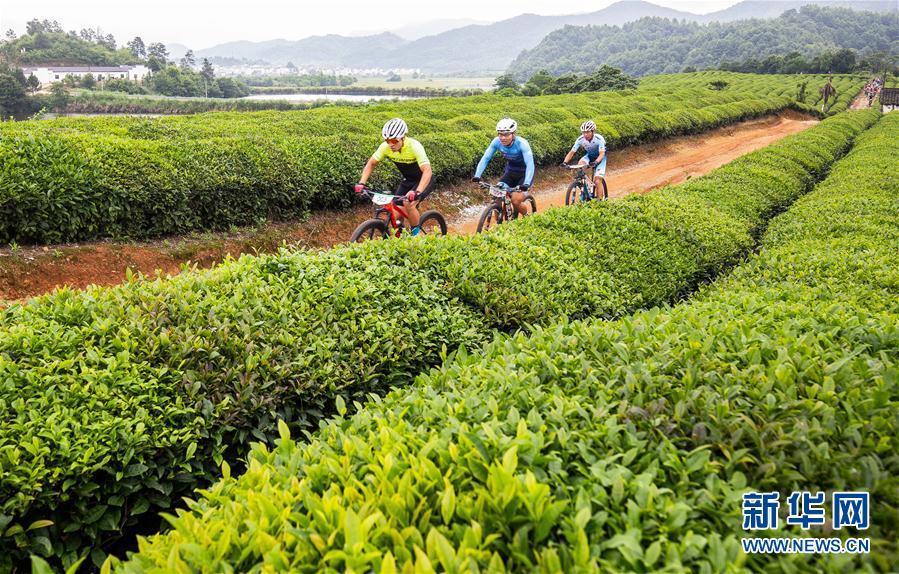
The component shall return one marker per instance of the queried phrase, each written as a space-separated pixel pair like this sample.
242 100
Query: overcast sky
203 23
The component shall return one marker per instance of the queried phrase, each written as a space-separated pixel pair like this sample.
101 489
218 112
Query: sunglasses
393 141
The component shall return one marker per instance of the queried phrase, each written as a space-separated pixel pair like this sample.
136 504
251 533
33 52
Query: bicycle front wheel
370 230
605 188
490 217
573 195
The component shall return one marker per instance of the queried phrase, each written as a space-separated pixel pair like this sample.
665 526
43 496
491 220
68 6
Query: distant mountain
176 51
492 47
484 47
432 27
774 8
656 45
316 51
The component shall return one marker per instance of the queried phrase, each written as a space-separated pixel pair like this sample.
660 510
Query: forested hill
659 45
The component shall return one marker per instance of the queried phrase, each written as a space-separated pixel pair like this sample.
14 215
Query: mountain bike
390 217
580 189
501 209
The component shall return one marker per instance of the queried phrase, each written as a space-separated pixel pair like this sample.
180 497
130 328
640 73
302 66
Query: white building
889 99
50 74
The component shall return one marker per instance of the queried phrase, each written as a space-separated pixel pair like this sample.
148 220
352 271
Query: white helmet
394 129
506 125
588 126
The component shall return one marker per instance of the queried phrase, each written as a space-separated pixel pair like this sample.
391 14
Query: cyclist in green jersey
410 158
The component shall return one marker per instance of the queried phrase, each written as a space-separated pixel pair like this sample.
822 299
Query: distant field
482 82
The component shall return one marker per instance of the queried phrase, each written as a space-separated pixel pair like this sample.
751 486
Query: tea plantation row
124 399
595 446
80 179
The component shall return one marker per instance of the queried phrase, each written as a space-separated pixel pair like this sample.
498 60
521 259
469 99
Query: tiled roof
889 96
67 69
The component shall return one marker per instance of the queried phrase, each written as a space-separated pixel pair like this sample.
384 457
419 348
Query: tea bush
84 178
596 446
124 399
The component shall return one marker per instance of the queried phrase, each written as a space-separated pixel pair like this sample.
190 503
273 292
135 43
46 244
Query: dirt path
644 168
26 272
860 102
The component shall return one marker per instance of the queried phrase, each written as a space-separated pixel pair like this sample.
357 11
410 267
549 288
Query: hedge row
140 178
123 399
596 446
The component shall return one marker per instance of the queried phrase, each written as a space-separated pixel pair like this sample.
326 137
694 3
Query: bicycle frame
503 202
393 209
580 177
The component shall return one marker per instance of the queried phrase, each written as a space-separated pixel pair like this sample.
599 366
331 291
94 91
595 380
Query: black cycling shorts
513 178
408 185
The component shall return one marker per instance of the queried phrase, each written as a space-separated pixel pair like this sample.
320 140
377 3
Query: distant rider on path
519 170
595 147
409 156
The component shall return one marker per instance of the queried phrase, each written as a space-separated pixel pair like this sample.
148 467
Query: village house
50 74
889 99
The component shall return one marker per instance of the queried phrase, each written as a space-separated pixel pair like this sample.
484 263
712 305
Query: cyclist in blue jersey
594 146
519 161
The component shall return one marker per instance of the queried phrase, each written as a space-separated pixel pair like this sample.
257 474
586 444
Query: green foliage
659 45
12 91
840 61
59 96
144 177
42 44
610 446
124 399
319 79
604 79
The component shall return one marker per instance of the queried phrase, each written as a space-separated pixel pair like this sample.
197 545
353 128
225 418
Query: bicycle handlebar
368 192
487 185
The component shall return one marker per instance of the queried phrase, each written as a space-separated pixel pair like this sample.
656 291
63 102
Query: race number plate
381 198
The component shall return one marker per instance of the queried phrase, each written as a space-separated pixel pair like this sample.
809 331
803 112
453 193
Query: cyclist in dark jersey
519 161
409 157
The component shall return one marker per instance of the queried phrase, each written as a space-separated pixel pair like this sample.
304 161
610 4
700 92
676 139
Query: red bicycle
390 217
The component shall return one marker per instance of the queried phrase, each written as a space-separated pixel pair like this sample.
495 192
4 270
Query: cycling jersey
592 147
408 160
518 156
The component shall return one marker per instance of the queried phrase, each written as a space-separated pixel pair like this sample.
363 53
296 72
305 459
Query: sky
204 23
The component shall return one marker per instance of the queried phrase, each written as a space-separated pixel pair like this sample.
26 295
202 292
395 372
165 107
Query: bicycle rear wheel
370 230
530 204
605 188
432 223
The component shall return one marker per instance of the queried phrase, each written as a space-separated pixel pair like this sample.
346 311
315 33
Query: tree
505 81
538 83
35 26
231 88
188 60
88 81
108 41
157 50
59 97
87 34
12 90
207 70
137 48
10 35
155 64
394 77
33 83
